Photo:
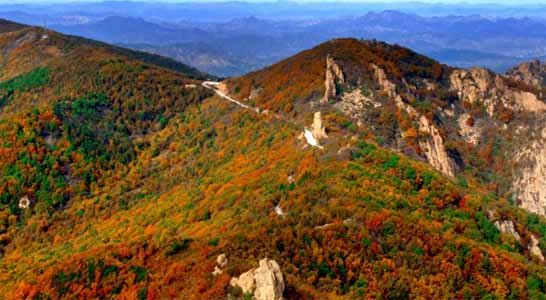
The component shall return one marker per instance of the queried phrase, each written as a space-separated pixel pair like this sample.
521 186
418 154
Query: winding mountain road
213 85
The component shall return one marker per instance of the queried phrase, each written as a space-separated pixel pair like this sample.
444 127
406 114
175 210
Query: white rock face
383 81
531 73
529 184
221 263
319 132
470 133
316 133
507 226
333 75
278 210
354 103
265 282
479 85
434 149
24 202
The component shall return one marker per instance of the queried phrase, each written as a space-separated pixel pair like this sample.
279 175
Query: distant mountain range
231 39
238 46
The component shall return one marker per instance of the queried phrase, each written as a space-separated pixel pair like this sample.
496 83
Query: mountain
468 123
132 30
235 47
121 179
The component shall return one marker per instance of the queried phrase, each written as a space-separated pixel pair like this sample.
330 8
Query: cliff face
334 77
529 182
489 115
525 123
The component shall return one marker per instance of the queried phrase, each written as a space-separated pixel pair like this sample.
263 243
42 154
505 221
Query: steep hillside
122 180
71 112
469 124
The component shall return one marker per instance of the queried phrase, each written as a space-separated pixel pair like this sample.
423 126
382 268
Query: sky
504 2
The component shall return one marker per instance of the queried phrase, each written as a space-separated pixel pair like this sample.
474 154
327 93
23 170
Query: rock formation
434 149
318 130
265 282
490 90
221 264
431 141
334 77
469 131
507 227
24 202
532 73
529 184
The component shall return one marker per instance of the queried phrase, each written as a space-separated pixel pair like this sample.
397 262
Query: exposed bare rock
222 260
334 76
470 132
481 86
255 93
532 73
381 77
473 86
434 148
265 282
318 130
529 102
221 264
431 142
24 202
529 185
507 226
535 249
354 103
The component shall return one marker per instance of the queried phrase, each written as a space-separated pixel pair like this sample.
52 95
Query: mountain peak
532 73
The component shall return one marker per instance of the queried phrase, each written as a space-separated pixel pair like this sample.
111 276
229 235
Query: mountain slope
464 123
137 178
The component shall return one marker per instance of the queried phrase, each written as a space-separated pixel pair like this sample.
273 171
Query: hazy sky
505 2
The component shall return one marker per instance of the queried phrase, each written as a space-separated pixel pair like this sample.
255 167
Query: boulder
265 282
221 263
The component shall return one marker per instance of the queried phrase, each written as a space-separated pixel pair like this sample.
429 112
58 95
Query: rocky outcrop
490 90
24 202
265 282
430 140
468 130
532 73
221 264
318 130
434 149
529 184
334 77
354 103
507 227
386 85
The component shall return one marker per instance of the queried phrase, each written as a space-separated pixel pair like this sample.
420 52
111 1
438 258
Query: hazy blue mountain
233 38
